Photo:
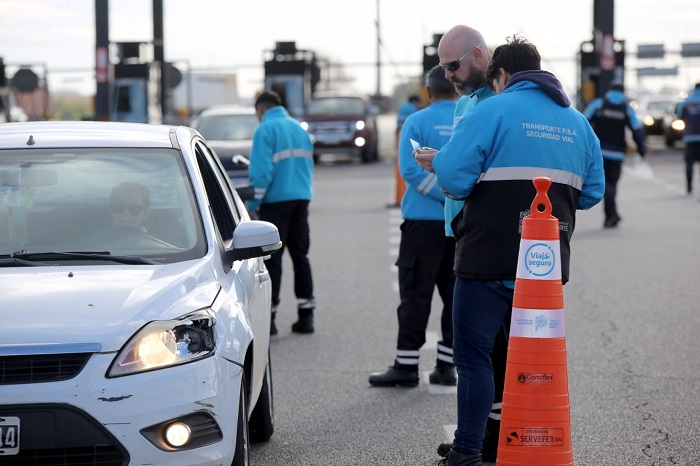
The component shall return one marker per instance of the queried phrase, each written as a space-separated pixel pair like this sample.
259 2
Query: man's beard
474 81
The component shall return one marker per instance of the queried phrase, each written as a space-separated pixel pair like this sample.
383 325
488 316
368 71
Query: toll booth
593 63
136 86
293 74
430 59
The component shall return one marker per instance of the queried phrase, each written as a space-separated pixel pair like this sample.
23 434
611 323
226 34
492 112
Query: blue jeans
481 310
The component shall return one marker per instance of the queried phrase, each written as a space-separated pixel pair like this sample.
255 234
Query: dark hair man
281 171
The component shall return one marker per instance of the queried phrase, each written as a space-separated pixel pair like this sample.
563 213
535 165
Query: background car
673 127
135 300
342 124
229 131
653 111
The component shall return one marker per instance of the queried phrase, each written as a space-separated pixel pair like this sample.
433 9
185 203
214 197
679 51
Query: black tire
262 419
366 155
241 456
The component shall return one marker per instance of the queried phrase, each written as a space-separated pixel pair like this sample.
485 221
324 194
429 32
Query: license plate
9 435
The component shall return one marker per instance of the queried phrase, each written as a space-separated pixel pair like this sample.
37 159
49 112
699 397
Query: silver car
134 300
229 131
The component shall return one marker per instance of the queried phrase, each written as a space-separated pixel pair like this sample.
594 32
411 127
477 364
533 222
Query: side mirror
253 238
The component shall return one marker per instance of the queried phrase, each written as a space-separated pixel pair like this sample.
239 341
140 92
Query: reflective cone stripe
535 417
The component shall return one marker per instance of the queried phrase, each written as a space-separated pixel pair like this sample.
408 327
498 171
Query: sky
232 35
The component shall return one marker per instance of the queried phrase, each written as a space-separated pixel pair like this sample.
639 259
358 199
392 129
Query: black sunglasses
454 65
133 209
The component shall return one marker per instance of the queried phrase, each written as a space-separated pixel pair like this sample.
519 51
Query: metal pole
159 54
603 40
103 73
379 62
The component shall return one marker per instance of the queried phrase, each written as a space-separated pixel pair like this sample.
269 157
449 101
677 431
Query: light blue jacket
496 150
281 160
430 127
464 105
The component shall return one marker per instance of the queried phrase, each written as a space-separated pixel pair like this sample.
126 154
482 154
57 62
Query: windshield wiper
39 258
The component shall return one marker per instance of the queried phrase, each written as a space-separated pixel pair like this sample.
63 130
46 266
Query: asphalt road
631 312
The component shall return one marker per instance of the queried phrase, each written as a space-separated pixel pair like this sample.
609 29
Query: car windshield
227 127
661 105
108 201
336 106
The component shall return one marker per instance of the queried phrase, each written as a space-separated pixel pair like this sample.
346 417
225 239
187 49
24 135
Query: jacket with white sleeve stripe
430 127
528 130
281 160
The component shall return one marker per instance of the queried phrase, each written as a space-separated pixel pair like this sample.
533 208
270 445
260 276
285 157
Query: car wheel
366 155
262 420
241 455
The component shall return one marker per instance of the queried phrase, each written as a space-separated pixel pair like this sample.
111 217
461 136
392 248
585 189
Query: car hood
97 304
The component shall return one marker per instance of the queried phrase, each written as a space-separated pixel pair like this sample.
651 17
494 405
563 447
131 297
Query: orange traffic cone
535 422
400 184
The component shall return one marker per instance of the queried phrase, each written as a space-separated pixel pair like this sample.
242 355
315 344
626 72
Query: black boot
394 378
273 327
458 459
305 324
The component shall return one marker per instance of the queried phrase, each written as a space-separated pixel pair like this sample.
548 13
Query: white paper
415 144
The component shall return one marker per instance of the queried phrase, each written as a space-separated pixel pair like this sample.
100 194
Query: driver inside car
129 205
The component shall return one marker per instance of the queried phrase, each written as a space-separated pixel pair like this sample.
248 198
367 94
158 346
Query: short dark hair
517 54
437 83
268 99
414 99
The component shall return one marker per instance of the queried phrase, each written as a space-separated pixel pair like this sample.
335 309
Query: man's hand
424 156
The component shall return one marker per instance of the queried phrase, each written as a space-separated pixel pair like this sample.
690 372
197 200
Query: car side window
219 194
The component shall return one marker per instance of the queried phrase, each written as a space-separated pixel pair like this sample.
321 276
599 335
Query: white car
134 300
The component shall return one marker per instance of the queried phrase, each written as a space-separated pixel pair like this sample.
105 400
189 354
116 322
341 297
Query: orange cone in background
535 421
399 181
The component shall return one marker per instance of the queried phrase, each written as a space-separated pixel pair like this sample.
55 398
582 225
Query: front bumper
109 421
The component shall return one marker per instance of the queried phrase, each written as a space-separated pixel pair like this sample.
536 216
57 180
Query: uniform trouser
692 155
425 262
292 220
482 311
612 169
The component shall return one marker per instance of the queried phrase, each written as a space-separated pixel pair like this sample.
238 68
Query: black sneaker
273 327
443 375
394 378
444 448
303 325
457 459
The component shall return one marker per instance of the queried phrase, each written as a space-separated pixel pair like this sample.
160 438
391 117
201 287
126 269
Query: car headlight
360 125
648 120
166 343
678 125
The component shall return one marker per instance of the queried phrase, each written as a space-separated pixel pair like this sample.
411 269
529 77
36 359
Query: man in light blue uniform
689 112
464 57
610 116
281 172
426 255
496 150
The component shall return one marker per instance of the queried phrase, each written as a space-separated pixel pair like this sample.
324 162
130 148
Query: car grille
61 435
86 456
41 368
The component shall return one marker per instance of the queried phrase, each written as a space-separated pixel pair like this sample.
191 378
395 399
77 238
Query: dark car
229 131
342 125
